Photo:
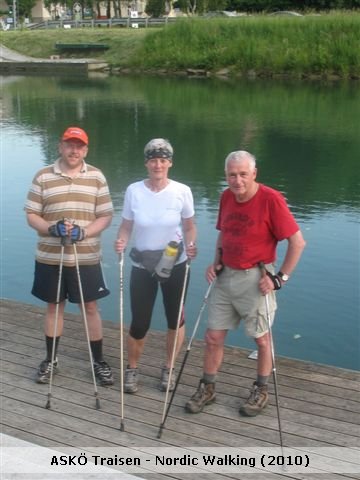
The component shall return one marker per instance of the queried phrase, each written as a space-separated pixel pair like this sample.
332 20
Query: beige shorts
236 297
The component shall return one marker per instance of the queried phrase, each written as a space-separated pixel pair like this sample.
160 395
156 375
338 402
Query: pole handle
262 268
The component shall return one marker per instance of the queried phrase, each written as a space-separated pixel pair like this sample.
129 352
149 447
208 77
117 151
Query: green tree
215 5
298 5
201 6
187 6
23 7
155 8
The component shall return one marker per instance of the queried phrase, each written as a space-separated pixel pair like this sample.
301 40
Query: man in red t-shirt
252 220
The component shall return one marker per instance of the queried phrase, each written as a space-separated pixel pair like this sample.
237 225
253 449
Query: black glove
58 229
275 279
77 234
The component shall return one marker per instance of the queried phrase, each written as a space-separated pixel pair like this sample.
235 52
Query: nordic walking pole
263 273
181 308
197 323
121 271
97 401
48 403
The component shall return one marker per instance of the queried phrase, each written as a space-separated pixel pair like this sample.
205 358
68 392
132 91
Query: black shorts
46 281
143 291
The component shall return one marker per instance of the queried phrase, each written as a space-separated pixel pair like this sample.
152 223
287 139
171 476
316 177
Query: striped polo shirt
54 196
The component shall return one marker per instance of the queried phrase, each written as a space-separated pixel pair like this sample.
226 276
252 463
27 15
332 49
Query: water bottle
167 261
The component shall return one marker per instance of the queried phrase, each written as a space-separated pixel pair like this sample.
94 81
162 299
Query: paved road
7 55
10 56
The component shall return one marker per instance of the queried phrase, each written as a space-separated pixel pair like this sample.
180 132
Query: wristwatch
283 276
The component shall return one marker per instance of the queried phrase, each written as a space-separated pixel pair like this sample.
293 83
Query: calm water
307 141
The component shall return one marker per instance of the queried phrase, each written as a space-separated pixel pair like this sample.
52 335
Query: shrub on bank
292 45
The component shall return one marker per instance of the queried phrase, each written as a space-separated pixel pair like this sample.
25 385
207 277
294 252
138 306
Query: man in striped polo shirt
69 203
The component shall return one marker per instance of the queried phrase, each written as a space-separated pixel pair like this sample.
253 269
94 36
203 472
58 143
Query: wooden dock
320 405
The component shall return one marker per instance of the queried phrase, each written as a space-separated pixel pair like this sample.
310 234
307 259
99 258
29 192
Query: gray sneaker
131 380
164 379
44 371
204 395
257 401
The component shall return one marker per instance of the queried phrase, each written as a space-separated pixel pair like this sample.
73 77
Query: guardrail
110 22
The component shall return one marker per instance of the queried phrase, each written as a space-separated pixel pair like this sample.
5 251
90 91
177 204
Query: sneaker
256 402
204 395
103 373
44 371
164 379
131 380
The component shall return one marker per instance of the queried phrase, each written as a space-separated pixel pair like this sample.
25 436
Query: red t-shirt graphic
251 230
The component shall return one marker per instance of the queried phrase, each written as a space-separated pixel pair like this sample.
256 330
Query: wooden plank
148 389
315 403
111 329
104 437
30 424
319 406
227 372
224 387
148 403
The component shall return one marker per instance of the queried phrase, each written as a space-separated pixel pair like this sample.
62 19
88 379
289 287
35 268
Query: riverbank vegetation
257 6
325 45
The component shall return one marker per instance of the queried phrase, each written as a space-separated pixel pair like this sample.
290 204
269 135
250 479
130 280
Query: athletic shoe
131 380
204 395
103 374
256 402
164 379
44 371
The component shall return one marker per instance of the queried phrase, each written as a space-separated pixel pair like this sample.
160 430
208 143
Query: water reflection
306 138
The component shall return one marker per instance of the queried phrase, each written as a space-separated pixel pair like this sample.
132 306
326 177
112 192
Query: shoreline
307 48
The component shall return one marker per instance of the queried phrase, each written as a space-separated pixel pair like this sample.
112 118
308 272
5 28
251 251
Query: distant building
39 13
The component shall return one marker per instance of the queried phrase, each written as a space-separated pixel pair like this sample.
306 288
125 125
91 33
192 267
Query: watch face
284 277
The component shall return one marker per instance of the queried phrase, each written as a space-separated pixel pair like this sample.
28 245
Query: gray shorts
236 297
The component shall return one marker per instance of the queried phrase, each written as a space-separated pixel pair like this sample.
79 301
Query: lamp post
14 14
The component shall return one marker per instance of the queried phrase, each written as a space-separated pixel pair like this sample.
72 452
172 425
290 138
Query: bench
63 47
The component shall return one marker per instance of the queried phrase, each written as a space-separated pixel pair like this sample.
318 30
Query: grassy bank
326 45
